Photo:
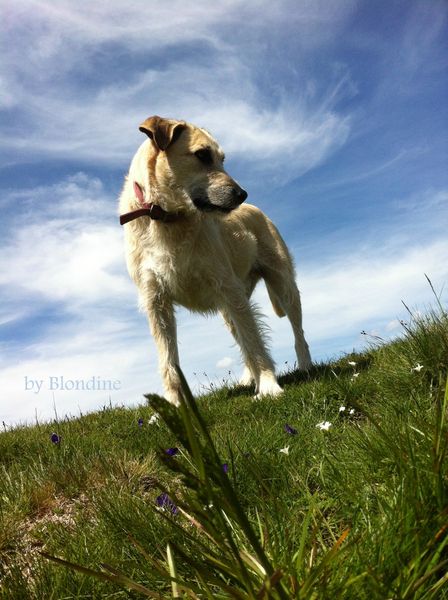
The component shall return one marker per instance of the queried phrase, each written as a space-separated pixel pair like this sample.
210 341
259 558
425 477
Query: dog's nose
240 194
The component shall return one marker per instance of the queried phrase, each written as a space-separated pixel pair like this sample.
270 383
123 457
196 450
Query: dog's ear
162 132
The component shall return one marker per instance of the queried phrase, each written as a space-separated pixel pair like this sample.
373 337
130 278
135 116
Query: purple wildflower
172 451
290 429
164 501
55 438
225 467
140 422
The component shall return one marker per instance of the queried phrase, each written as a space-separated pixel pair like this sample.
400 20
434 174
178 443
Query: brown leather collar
156 212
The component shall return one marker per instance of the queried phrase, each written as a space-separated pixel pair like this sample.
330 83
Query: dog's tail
276 304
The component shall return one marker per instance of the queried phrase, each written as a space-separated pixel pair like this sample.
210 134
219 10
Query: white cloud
9 316
225 362
71 263
423 205
287 140
139 25
427 25
65 251
372 285
393 325
218 90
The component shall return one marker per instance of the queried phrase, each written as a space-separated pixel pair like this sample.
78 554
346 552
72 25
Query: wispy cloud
64 246
214 85
225 362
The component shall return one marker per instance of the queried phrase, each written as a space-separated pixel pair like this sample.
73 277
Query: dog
191 241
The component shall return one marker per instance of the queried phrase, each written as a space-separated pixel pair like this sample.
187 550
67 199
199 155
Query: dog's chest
190 282
196 270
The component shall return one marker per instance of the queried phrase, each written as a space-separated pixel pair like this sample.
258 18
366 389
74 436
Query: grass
356 511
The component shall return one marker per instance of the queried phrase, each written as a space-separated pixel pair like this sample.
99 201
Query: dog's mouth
205 205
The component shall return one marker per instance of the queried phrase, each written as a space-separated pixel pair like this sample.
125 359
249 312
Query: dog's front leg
245 327
162 322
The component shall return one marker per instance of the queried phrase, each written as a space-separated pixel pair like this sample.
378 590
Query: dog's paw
268 387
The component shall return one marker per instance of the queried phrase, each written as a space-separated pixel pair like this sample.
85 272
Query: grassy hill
338 489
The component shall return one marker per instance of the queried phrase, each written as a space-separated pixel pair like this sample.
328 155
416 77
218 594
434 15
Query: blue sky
332 114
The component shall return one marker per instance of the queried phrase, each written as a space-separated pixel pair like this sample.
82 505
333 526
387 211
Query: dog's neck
154 211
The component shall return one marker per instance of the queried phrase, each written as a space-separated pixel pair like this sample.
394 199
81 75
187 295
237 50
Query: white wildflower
153 419
341 408
324 425
351 411
284 450
352 363
417 368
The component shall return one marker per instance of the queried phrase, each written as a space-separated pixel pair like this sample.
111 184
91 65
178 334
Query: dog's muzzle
222 201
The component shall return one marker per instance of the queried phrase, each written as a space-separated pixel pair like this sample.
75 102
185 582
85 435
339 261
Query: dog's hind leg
285 298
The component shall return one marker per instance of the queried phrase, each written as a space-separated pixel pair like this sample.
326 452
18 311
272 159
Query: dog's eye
204 156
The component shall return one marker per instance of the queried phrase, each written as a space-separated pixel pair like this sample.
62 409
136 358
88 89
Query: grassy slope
377 477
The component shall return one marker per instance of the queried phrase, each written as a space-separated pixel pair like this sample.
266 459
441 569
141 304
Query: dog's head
187 159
